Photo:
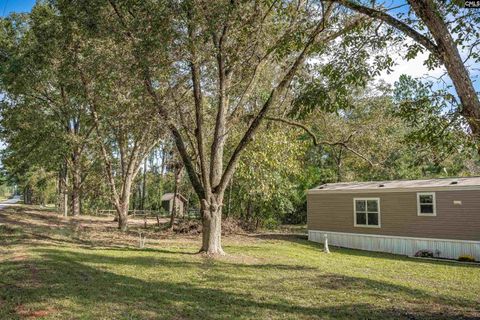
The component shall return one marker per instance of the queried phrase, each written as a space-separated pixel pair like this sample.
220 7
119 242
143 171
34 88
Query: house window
367 212
426 204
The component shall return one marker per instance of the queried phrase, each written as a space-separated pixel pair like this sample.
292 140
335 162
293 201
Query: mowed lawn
55 268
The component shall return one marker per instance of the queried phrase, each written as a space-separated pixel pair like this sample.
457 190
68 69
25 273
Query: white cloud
414 68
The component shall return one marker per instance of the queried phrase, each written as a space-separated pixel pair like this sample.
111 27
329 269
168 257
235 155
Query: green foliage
432 116
40 187
265 186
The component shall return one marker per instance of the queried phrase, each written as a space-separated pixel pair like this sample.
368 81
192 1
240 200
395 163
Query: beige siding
334 212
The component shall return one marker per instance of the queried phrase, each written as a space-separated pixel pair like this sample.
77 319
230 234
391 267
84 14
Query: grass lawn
56 268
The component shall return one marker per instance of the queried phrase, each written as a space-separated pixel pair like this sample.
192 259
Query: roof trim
386 190
170 195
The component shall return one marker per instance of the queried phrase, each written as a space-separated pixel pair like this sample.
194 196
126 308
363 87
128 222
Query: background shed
167 203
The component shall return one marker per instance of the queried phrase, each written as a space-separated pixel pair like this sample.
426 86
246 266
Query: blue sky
9 6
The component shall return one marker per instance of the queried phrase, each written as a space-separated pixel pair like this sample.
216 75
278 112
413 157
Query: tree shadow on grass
98 291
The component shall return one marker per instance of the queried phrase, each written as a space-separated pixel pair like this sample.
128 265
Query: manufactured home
401 217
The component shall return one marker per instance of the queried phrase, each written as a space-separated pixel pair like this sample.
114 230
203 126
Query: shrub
424 254
271 223
467 258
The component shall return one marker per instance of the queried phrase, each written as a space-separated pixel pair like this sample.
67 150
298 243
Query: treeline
240 106
373 141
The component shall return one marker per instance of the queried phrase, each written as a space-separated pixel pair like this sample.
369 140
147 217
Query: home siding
334 212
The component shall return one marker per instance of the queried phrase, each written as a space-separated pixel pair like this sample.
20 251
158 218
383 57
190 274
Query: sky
9 6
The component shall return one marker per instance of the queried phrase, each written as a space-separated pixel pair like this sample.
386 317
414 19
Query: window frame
434 204
366 212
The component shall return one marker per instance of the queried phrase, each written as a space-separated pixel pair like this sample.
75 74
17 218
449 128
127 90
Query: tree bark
74 129
144 185
76 192
124 201
27 195
62 190
229 205
122 216
212 226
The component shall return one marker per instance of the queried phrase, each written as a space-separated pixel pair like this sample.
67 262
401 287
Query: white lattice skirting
450 249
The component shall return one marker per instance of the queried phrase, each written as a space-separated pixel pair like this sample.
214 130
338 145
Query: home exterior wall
454 229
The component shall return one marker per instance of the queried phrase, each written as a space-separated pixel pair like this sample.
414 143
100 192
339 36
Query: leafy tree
223 51
37 83
444 29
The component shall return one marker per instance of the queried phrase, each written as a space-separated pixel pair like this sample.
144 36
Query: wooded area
240 106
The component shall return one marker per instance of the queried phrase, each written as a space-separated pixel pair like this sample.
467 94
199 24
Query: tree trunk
122 216
62 190
212 226
134 198
124 204
144 185
27 195
76 183
162 166
229 205
76 192
75 203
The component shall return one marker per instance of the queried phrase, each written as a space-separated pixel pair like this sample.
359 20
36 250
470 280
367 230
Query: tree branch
394 22
317 142
284 83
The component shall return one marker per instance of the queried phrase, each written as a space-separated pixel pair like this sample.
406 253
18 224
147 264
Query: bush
467 258
424 254
271 223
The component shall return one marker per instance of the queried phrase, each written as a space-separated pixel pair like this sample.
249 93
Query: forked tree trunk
212 226
122 216
212 179
123 204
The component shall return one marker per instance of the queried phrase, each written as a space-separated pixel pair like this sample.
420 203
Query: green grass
52 268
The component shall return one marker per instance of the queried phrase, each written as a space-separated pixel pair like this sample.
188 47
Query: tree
36 80
443 28
126 129
215 66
